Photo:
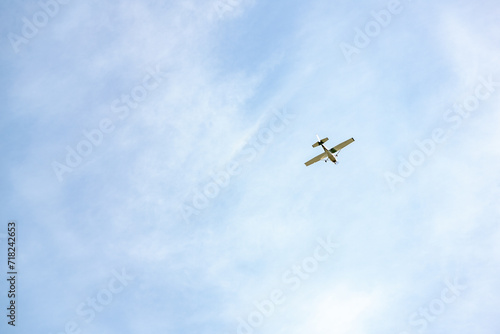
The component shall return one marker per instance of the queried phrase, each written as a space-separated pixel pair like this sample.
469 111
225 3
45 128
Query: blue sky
153 159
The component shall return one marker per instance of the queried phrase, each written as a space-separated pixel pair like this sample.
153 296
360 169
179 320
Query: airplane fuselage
329 154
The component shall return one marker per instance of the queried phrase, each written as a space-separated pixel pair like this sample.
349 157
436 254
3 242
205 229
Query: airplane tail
320 141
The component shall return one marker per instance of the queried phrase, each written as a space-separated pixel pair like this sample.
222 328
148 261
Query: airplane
331 154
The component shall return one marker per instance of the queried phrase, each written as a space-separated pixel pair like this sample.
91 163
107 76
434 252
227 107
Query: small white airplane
331 154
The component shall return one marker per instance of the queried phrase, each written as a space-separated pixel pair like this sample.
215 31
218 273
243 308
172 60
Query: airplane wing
341 145
316 159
